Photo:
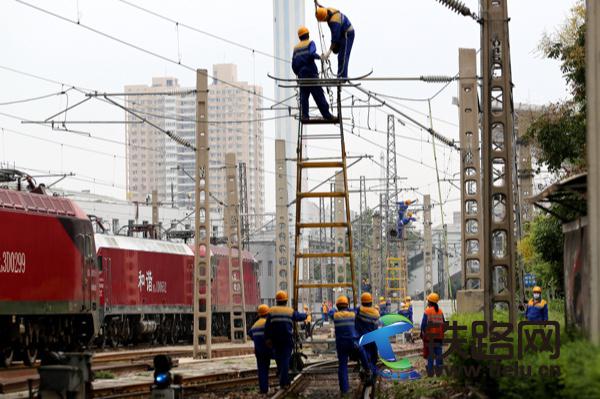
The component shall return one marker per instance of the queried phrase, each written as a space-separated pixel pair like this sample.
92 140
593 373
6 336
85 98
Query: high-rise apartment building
155 162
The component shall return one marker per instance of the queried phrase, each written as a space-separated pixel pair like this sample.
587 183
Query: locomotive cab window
99 262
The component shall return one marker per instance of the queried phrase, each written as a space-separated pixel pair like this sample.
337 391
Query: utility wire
26 100
141 49
197 30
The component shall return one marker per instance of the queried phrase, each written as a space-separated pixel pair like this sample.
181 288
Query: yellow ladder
339 163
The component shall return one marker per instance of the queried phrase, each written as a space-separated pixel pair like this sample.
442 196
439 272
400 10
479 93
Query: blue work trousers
369 356
319 97
344 348
435 356
263 362
344 54
282 356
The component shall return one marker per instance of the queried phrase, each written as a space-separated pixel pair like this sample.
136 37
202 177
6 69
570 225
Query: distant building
155 162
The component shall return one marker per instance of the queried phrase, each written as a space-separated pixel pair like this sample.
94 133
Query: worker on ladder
279 334
303 65
342 36
261 351
367 320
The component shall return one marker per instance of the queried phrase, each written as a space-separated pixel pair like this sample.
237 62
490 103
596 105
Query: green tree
560 132
542 252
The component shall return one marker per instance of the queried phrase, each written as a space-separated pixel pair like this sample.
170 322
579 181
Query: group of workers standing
305 55
273 333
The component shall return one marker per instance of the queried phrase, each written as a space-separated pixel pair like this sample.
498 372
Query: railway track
21 378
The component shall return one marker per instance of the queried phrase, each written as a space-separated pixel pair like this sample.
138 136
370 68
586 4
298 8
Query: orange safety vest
435 323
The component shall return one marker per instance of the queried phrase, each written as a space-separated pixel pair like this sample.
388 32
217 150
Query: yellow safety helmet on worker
303 30
281 296
342 301
263 310
366 298
433 297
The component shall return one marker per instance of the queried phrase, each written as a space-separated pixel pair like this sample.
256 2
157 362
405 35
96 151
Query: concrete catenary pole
202 278
497 146
593 148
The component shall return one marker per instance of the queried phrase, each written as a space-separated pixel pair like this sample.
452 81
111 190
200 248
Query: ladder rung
320 121
327 194
324 255
322 225
324 285
321 164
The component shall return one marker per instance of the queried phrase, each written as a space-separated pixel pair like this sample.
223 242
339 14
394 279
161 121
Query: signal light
162 371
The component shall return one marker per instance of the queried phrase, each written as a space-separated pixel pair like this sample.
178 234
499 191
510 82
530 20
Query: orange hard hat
281 296
366 298
263 310
537 289
321 14
303 30
433 297
342 300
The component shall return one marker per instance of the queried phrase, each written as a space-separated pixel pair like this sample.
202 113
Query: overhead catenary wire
139 48
30 99
203 32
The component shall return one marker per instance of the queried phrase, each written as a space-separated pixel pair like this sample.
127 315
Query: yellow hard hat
281 296
407 299
305 307
303 30
321 14
381 298
263 310
537 289
342 300
433 297
366 298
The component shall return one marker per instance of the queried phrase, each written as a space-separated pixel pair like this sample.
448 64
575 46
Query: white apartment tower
288 16
235 126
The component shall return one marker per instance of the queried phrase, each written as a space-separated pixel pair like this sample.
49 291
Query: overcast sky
393 37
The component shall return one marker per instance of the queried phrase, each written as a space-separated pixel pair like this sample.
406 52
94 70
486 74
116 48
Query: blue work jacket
303 60
537 311
343 321
367 320
339 24
257 333
280 323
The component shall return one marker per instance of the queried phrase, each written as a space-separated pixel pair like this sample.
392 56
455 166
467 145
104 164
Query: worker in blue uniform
342 36
279 330
303 65
406 309
383 306
261 351
367 320
537 308
346 339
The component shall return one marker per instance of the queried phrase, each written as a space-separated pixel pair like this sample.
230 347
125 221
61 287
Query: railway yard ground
231 373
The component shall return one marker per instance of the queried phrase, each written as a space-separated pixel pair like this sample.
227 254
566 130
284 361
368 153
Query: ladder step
324 285
320 121
323 255
320 137
327 194
321 165
322 225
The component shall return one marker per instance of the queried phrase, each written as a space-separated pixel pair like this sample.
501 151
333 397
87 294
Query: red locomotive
61 286
48 275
